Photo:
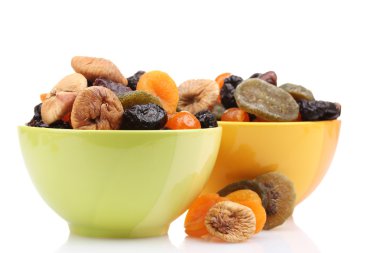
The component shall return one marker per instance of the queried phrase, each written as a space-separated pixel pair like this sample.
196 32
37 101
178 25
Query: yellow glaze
301 150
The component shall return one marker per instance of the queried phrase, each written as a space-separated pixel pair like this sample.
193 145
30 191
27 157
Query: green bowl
119 183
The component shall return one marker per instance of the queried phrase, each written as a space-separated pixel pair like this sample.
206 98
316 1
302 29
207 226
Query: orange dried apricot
182 120
252 200
43 96
160 84
235 114
195 217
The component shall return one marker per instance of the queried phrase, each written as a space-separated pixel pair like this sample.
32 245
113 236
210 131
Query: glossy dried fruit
220 79
235 114
195 217
269 77
144 117
319 110
182 120
298 92
266 101
118 88
37 121
160 84
228 90
230 221
197 95
281 198
207 119
133 80
96 108
138 97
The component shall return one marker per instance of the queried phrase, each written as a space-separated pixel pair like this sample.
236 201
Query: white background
331 47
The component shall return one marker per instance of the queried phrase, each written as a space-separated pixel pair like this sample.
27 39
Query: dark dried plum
36 121
144 117
269 77
118 88
133 80
207 119
251 116
228 90
318 110
60 124
256 75
234 80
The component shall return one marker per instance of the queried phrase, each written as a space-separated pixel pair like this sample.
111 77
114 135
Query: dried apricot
220 79
183 120
160 84
235 114
195 218
44 96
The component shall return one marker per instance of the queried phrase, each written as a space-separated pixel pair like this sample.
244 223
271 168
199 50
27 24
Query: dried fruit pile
242 209
99 97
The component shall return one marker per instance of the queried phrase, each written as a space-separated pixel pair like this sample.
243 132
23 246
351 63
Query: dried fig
96 108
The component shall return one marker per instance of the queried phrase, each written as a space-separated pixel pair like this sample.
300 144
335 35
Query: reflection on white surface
285 239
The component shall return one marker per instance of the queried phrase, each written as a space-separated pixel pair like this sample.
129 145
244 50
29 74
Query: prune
207 119
133 80
228 90
36 121
234 80
318 110
60 124
118 88
144 117
256 75
269 77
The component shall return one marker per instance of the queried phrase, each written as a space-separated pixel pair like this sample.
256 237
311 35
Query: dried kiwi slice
132 98
298 92
266 101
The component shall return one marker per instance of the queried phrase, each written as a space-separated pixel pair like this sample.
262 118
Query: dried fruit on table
138 97
92 68
230 221
281 198
96 108
195 217
266 101
144 117
298 92
160 84
197 95
207 119
235 114
134 79
118 88
319 110
182 120
228 90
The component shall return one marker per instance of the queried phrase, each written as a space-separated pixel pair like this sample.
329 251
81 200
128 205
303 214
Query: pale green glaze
119 183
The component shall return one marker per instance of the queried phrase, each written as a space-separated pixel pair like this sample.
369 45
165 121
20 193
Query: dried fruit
218 111
144 117
160 84
118 88
252 200
235 114
230 221
281 198
197 95
61 98
207 119
319 110
256 75
228 90
96 107
220 79
266 101
36 121
133 80
298 92
93 68
195 217
183 120
138 97
269 77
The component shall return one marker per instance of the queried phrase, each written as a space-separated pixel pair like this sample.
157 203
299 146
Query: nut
96 107
93 68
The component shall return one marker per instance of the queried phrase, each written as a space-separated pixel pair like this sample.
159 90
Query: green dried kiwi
266 101
298 92
246 184
281 198
138 97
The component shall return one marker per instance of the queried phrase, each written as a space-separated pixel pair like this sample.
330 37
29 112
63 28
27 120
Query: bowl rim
287 123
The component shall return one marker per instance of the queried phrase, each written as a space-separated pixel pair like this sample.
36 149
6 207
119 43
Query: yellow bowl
301 150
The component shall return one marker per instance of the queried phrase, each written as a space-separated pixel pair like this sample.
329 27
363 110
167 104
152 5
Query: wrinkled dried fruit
298 92
133 80
269 77
144 117
218 111
138 97
281 198
36 121
197 95
93 68
207 119
183 120
118 88
235 114
228 90
230 221
96 108
266 101
319 110
220 79
256 75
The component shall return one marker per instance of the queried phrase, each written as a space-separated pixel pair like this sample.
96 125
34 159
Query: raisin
318 110
118 88
228 90
133 80
144 117
36 121
207 119
61 125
